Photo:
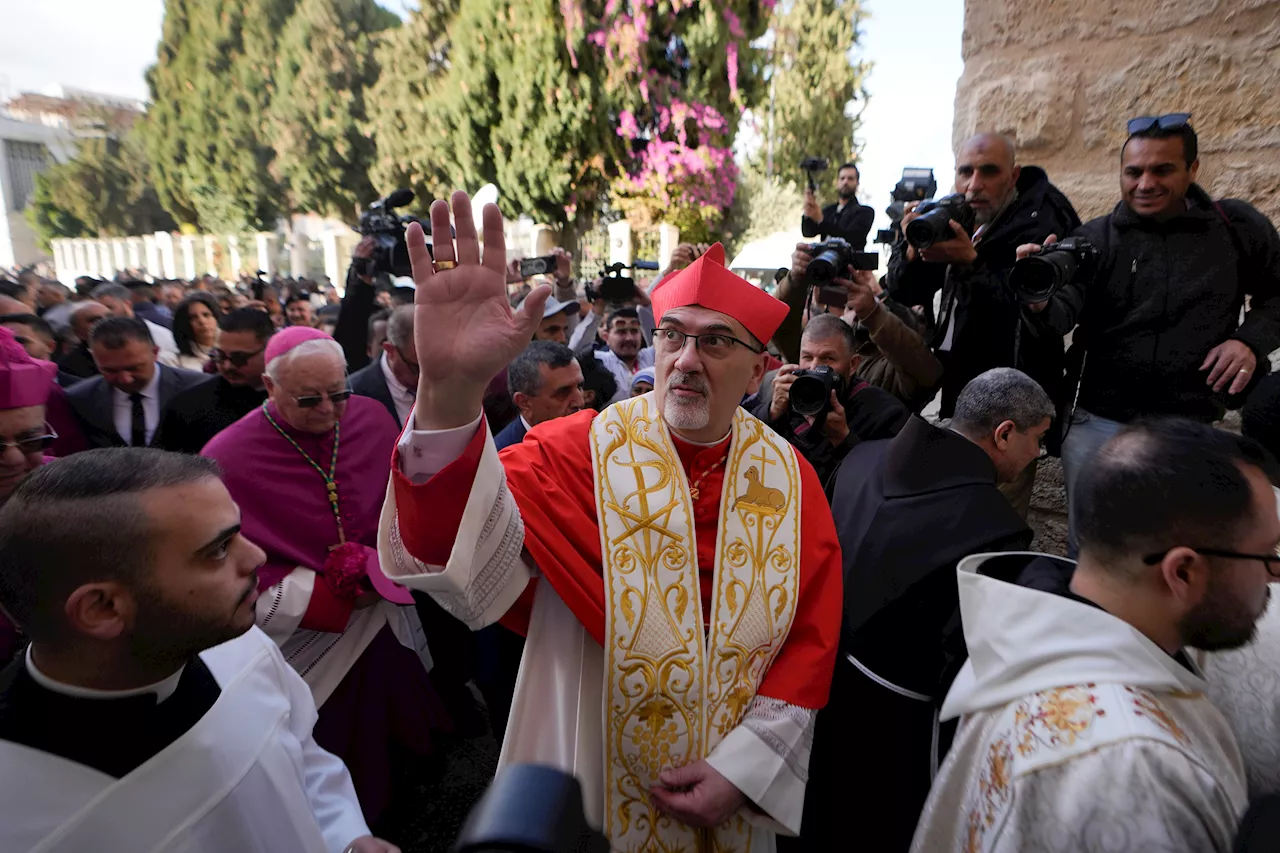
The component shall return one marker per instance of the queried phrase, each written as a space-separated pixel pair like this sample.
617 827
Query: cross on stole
764 461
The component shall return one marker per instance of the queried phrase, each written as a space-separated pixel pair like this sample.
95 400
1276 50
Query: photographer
980 323
846 218
1160 331
853 411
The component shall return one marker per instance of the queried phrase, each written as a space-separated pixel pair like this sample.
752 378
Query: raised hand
463 325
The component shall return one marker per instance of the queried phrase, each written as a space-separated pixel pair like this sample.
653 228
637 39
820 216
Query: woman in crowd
195 329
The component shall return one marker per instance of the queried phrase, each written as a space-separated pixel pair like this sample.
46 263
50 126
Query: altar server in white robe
148 713
1086 727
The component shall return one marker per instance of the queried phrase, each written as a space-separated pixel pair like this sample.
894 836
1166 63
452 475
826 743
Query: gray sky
106 46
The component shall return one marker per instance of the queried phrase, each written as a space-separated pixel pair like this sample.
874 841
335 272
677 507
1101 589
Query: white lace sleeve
767 757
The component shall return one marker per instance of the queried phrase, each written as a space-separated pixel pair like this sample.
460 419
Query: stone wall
1062 76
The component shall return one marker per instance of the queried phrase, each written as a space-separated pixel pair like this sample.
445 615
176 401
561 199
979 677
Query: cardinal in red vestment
671 560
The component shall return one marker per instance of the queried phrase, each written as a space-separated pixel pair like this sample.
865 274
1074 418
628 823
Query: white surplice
248 778
323 658
1078 734
557 711
1245 685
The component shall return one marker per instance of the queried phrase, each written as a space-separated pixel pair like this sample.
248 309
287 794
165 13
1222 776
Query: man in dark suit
846 218
124 405
198 414
392 378
546 383
907 510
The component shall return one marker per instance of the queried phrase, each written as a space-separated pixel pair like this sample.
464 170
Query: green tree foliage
489 92
104 191
205 130
318 106
764 205
412 151
814 82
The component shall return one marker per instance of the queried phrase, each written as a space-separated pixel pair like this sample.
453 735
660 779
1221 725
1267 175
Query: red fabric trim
430 514
325 611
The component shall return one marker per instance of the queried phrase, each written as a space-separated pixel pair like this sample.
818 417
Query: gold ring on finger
445 265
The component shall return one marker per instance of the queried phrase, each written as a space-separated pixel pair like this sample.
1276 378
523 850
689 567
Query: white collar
390 376
162 689
527 426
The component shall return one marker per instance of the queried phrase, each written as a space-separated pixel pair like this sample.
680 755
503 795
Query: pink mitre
288 338
24 381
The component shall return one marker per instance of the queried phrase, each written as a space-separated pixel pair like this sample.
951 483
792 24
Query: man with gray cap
557 320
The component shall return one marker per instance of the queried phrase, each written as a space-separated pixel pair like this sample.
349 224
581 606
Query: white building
25 150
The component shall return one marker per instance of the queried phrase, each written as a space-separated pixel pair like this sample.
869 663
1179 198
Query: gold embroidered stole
673 691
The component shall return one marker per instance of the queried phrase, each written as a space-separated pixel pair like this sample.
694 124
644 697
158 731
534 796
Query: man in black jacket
862 412
1160 321
846 218
907 510
123 407
198 414
980 324
392 377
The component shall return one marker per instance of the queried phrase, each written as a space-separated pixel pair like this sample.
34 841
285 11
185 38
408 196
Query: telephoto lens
933 225
811 392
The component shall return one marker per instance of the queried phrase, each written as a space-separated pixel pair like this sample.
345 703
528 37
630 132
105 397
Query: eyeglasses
312 400
35 444
237 359
1270 561
714 345
414 368
1172 121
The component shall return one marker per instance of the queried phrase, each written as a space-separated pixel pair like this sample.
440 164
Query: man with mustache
671 560
1159 323
149 713
980 324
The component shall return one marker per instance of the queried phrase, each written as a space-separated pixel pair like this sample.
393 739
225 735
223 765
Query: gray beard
680 413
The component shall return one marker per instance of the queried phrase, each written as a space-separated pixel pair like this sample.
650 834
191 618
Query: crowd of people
262 543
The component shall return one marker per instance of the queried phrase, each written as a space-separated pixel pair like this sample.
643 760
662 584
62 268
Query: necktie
138 436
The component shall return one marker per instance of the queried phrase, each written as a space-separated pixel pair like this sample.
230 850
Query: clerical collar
161 689
719 440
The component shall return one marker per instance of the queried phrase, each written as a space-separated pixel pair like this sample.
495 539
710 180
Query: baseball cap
554 306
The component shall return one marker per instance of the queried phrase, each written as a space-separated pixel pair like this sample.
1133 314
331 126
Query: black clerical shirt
112 735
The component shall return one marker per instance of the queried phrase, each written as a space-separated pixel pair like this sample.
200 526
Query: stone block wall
1063 76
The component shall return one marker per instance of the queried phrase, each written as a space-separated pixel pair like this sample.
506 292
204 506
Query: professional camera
1036 278
615 285
933 225
915 185
811 166
811 392
832 259
379 221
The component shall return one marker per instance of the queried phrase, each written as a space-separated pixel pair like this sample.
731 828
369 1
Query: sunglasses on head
313 400
237 359
1172 121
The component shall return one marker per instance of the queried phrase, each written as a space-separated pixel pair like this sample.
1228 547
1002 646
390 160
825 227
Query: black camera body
933 225
379 221
811 166
831 259
811 392
1036 278
545 265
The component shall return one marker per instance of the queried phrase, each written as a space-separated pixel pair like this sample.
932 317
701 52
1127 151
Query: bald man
981 325
78 361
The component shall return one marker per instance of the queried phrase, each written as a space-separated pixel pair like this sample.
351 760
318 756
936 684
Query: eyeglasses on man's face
310 401
237 359
1270 561
715 345
31 443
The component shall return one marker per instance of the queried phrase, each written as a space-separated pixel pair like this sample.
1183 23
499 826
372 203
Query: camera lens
825 266
1037 278
809 395
932 227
